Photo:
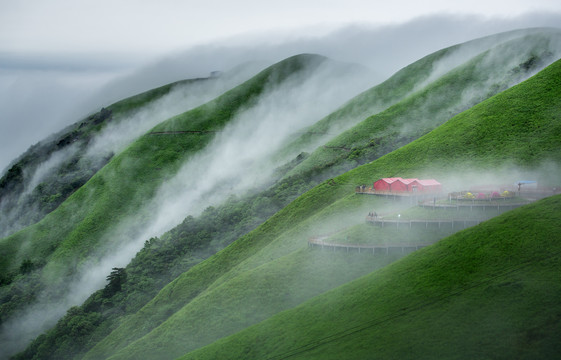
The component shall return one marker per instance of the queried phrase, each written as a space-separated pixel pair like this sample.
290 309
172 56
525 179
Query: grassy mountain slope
472 81
489 291
144 164
56 246
371 101
410 79
392 90
474 138
23 202
178 238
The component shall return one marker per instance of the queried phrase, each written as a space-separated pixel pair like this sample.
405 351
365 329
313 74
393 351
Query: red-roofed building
389 184
398 184
429 185
410 184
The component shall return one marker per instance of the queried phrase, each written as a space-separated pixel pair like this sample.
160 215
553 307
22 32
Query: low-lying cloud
237 160
181 98
114 137
36 100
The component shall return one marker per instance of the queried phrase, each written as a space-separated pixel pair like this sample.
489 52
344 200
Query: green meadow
240 280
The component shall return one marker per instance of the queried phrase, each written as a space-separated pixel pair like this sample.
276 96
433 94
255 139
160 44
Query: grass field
489 291
42 262
247 300
460 145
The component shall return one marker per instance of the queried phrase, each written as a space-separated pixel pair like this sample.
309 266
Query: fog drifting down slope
234 162
116 135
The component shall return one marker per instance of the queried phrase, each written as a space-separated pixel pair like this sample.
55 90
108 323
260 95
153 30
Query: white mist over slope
118 134
238 159
500 66
34 104
181 98
235 161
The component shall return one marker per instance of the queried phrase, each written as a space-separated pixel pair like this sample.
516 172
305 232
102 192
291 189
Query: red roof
409 181
425 183
391 180
428 182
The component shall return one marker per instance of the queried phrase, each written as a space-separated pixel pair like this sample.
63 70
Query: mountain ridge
272 246
67 252
330 191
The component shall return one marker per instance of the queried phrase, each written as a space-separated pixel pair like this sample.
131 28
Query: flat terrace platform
498 204
369 191
382 248
409 197
453 223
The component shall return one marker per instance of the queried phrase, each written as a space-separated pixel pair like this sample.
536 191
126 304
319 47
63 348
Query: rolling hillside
452 115
54 250
424 72
468 142
50 171
506 109
488 292
434 100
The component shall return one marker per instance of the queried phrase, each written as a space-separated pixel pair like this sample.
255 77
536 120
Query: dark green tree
116 278
26 266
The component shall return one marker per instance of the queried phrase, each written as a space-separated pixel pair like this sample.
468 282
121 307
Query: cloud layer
39 95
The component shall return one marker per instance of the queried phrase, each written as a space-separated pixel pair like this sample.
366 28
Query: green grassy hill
271 269
144 165
427 101
475 140
26 199
491 291
45 175
421 74
43 257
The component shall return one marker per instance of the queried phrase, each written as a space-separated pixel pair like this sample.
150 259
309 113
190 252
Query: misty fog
115 136
183 97
237 160
37 100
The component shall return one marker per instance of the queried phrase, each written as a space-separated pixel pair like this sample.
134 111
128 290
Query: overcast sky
147 27
57 54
